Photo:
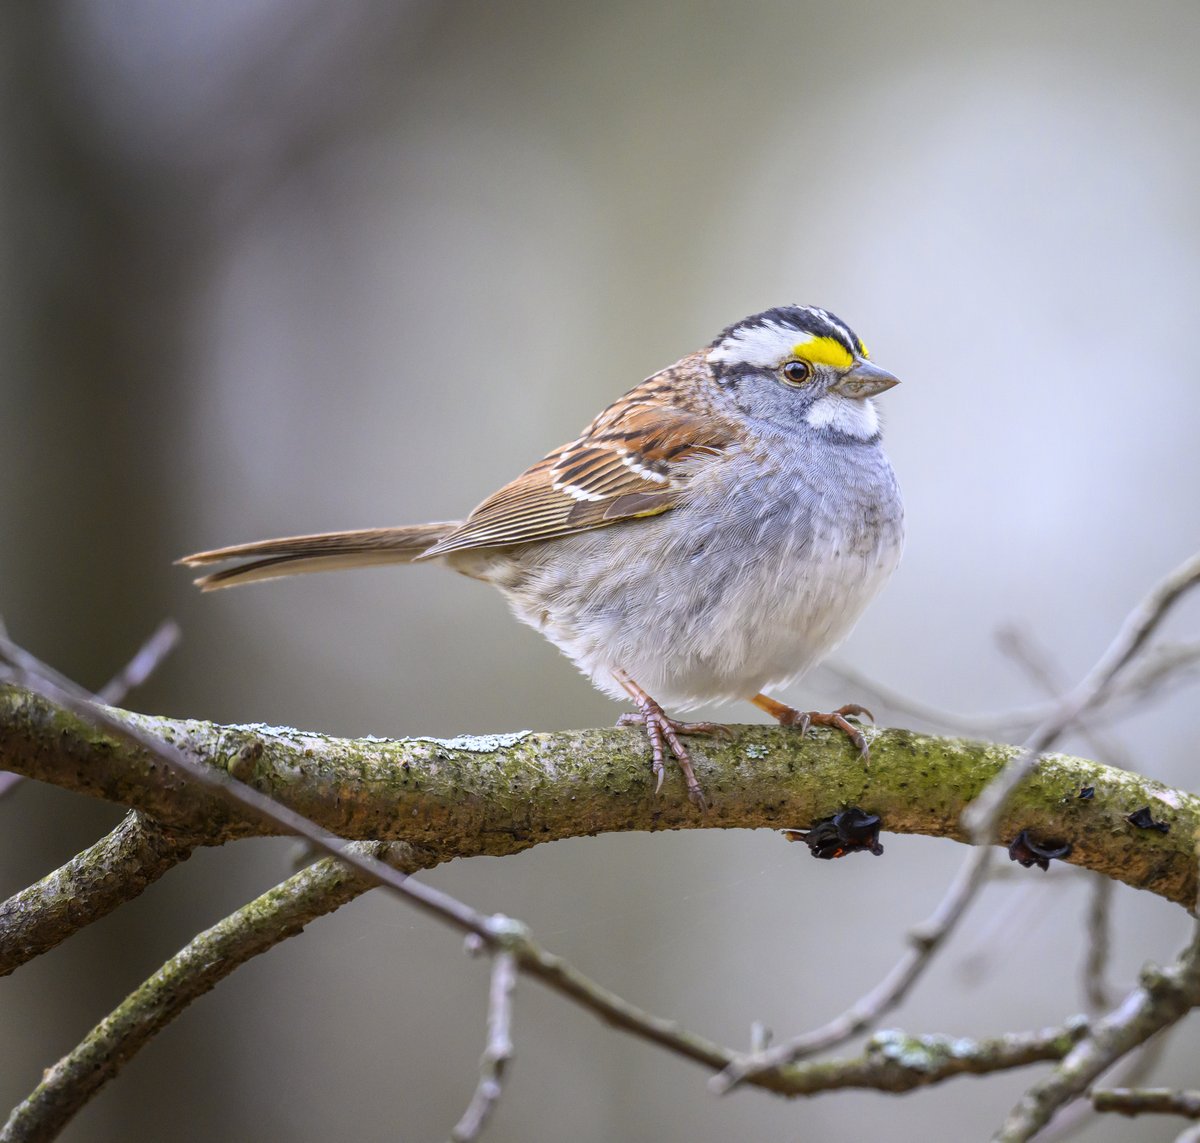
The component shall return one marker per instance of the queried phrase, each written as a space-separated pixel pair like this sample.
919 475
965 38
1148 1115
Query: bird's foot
803 719
664 734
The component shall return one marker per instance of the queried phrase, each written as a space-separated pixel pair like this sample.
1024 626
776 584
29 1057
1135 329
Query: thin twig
143 664
496 1054
1161 669
1036 660
1129 1070
1147 1100
89 886
886 995
1138 627
1097 991
1162 998
980 819
880 695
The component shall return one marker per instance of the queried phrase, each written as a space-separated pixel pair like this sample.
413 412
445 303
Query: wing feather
634 460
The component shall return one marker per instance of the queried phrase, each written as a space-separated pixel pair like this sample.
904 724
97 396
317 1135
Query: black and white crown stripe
762 341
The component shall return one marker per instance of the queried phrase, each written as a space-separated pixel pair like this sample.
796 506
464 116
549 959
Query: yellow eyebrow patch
824 351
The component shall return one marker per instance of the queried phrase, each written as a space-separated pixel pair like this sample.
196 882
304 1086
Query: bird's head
800 364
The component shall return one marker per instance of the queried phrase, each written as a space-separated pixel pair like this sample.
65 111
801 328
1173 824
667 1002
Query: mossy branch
498 794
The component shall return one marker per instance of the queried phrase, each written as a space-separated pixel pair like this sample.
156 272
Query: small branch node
473 944
760 1036
507 933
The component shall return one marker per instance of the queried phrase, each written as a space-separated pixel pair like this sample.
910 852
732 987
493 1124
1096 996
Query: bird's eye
796 372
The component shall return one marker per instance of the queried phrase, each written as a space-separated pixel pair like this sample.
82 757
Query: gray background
277 267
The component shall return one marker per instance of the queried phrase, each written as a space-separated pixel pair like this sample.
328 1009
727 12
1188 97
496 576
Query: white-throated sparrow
716 531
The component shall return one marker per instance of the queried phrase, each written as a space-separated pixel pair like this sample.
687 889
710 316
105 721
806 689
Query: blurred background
285 267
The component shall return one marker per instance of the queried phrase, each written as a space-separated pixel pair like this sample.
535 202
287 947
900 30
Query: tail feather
296 555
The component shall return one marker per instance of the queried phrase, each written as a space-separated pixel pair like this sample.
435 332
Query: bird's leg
663 733
803 719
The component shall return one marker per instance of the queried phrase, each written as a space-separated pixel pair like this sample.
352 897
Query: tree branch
1154 1100
144 663
90 886
501 794
895 1062
1163 997
208 958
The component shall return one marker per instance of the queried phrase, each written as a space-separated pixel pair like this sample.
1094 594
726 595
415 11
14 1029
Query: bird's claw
802 720
664 733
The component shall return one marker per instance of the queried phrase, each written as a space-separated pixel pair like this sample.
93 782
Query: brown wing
633 460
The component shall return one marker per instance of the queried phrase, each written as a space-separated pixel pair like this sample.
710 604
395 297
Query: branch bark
90 886
498 794
1152 1100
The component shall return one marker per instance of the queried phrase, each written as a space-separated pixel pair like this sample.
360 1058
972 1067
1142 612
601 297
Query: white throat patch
845 415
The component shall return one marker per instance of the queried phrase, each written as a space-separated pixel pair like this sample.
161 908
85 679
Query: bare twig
143 664
886 995
206 960
496 1054
1096 989
1129 1070
1138 628
1163 997
1036 660
114 870
1147 1100
989 725
980 819
1161 669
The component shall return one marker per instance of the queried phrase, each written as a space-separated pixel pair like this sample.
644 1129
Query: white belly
718 599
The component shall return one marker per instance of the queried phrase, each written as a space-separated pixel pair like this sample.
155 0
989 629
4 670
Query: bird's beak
864 380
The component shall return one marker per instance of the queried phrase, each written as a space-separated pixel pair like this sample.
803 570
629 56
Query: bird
713 534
